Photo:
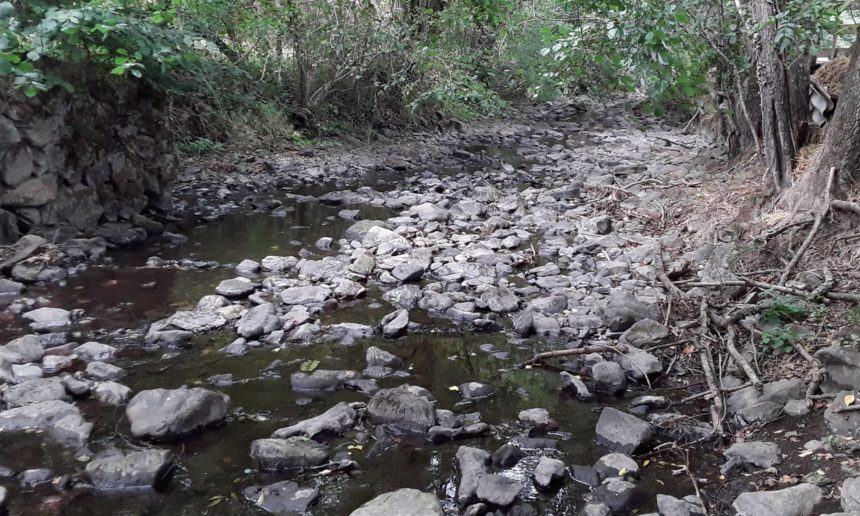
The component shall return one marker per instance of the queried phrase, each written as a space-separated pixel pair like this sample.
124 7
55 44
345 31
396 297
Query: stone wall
70 162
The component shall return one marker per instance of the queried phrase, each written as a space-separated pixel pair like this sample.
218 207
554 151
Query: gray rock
623 433
348 289
498 490
842 367
23 350
799 500
500 300
385 240
549 472
285 497
291 453
434 302
595 509
851 495
620 495
169 414
118 469
601 225
401 408
61 420
538 419
796 408
90 351
259 320
248 267
622 311
334 421
35 391
52 364
408 272
842 423
404 297
638 363
4 499
507 456
475 390
363 265
758 453
236 288
380 357
188 321
111 393
411 502
549 305
359 230
320 380
472 466
10 288
305 295
46 319
104 372
608 377
574 382
777 392
613 464
395 324
646 332
671 506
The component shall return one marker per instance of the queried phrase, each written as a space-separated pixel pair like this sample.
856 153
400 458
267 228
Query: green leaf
119 61
30 91
25 67
118 70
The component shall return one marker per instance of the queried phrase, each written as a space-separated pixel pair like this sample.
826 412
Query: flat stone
401 408
475 390
623 433
285 497
305 295
538 419
23 350
291 453
46 319
645 332
638 363
119 469
408 272
104 372
411 502
35 391
842 423
620 495
758 453
851 495
335 421
498 490
671 506
169 414
236 288
616 465
799 500
95 351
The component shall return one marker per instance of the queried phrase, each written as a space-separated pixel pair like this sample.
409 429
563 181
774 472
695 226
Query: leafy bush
780 339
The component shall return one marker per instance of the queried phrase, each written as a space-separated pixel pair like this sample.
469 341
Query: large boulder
472 465
164 414
402 408
799 500
410 502
118 469
622 432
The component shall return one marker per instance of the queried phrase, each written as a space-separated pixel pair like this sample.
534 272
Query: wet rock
23 350
671 506
248 267
403 501
236 288
799 500
285 497
537 419
475 390
363 265
585 475
382 358
842 367
10 288
75 386
535 443
259 320
595 509
320 380
404 297
841 421
327 269
472 466
620 495
395 324
408 272
56 417
507 456
305 295
236 348
401 408
851 495
46 319
758 453
348 289
434 302
35 391
169 414
500 300
498 490
385 241
278 263
616 465
324 243
608 377
334 421
94 351
187 321
646 332
638 363
4 500
161 334
549 472
31 478
111 393
291 453
623 311
103 371
119 469
623 433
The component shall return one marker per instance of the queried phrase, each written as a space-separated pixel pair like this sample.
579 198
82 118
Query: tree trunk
777 134
841 148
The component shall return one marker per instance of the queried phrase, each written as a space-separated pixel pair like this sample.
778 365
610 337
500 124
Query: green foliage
784 309
780 339
309 366
198 146
854 315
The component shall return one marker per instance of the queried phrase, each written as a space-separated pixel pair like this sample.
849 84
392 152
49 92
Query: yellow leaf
849 399
453 388
622 472
645 462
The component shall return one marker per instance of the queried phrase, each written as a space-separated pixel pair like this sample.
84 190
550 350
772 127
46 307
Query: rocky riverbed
342 332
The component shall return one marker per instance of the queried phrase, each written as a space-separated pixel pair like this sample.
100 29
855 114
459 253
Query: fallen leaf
849 399
453 388
645 462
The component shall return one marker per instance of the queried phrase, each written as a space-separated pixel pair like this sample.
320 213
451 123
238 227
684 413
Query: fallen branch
716 402
825 287
750 373
705 394
782 229
853 207
819 217
661 272
598 348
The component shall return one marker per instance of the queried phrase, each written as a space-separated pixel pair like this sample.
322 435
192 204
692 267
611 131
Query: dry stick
849 408
716 402
540 357
705 394
853 207
782 229
825 287
740 360
804 353
819 217
661 272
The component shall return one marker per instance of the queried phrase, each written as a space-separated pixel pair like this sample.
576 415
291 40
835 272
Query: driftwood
731 337
597 348
716 408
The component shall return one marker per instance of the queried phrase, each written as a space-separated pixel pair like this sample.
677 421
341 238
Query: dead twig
731 337
819 217
598 348
661 273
